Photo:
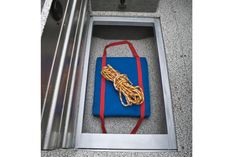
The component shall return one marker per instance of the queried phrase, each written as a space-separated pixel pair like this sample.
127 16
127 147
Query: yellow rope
133 94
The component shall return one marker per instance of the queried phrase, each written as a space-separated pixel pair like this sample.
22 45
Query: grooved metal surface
57 109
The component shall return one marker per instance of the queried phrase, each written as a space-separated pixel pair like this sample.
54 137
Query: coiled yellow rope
133 94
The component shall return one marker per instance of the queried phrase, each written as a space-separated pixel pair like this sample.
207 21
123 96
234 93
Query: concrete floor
176 20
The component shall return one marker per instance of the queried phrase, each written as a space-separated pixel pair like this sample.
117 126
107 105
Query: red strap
103 85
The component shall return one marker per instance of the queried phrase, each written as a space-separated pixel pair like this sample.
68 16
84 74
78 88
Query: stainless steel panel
51 51
124 141
129 5
59 58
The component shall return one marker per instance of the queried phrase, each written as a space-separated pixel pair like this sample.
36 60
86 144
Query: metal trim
53 62
124 141
58 80
83 11
129 150
83 85
165 84
154 142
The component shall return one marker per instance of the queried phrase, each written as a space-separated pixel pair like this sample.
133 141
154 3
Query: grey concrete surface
46 5
176 20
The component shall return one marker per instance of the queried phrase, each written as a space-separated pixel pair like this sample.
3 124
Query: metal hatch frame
149 142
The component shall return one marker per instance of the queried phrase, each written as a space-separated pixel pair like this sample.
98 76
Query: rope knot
132 94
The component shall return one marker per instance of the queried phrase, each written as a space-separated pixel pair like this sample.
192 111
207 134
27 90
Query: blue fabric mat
113 106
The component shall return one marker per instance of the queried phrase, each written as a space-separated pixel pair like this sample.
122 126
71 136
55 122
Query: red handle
103 85
135 54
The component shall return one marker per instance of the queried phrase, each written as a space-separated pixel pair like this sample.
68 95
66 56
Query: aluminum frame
57 126
146 142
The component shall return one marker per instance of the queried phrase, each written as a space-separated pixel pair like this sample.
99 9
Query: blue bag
113 106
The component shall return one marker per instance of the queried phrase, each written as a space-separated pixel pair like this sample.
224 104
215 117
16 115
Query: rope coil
133 94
